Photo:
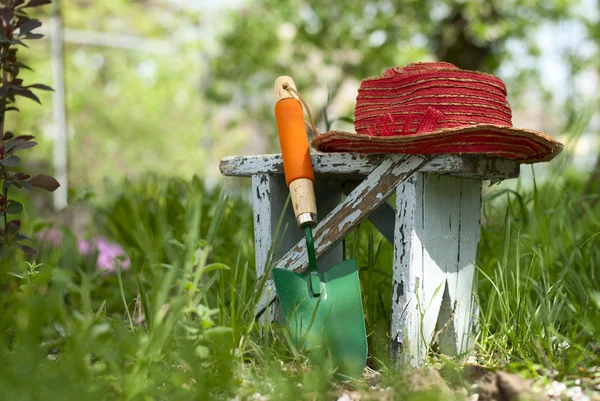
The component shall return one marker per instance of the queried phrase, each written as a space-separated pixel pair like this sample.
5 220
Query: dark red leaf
7 14
25 137
41 87
26 93
8 135
25 249
14 226
28 26
21 65
22 176
18 42
33 36
36 3
11 68
45 182
26 145
12 143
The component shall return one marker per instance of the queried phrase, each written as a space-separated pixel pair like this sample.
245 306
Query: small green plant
16 27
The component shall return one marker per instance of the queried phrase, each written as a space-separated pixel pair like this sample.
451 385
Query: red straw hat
431 108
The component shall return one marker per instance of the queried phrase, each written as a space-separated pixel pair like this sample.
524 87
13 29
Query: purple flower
84 247
51 236
109 254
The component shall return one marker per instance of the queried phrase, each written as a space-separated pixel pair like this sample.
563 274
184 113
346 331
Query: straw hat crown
437 108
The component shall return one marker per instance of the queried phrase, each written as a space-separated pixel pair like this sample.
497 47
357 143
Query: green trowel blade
331 324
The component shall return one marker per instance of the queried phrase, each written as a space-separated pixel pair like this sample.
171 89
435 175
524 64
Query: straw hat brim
526 146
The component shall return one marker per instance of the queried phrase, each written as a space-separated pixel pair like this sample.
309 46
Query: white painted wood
382 217
371 193
440 251
261 205
357 165
275 229
408 347
437 232
470 229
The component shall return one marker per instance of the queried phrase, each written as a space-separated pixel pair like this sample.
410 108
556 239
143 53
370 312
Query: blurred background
172 86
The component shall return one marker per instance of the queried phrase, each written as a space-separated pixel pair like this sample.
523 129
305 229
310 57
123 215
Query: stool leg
435 243
407 346
466 310
269 197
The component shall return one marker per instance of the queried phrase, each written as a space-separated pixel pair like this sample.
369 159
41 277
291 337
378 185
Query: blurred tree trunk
455 45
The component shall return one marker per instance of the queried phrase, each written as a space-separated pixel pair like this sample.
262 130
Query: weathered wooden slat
360 165
367 196
383 217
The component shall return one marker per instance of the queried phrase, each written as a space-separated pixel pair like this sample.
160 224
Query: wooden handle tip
281 84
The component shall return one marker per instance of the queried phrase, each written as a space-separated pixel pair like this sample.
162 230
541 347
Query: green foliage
538 279
179 323
327 47
82 351
125 107
17 27
145 213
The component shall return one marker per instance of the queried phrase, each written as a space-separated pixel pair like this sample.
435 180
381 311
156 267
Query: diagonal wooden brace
373 191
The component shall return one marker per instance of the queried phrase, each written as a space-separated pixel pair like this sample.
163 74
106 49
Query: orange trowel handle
293 140
297 165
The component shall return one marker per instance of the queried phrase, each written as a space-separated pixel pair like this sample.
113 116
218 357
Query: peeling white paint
350 219
361 165
437 231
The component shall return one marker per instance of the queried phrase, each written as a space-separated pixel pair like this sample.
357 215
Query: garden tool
323 311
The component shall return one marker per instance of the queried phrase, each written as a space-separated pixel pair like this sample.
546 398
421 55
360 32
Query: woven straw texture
431 108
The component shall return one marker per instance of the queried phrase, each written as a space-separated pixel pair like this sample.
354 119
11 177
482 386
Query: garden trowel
323 311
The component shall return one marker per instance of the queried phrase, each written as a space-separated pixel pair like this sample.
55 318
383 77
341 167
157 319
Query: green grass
539 268
68 332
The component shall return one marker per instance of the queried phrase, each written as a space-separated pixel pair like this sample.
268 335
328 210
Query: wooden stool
434 227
